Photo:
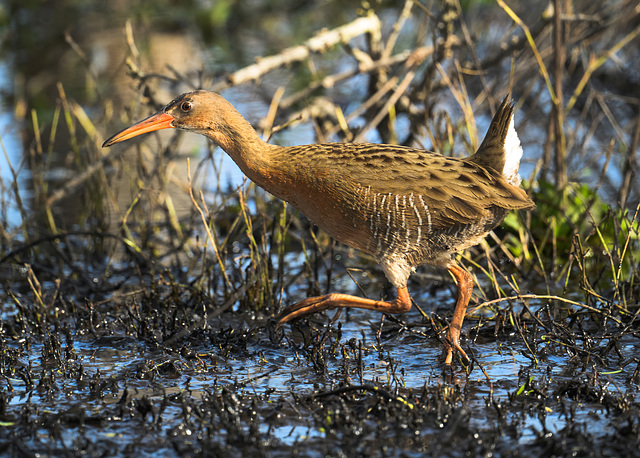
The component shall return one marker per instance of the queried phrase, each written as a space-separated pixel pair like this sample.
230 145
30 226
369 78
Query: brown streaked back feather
388 193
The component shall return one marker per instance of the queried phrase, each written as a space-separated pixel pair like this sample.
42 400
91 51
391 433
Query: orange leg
465 288
401 304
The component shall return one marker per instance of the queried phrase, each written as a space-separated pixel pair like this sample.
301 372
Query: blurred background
77 71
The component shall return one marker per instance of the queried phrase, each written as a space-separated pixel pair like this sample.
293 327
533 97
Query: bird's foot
451 344
448 353
452 341
401 304
306 307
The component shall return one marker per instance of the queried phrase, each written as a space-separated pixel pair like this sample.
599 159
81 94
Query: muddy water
233 387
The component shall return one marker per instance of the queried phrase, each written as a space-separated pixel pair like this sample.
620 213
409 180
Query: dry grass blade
213 241
520 297
541 66
595 63
388 106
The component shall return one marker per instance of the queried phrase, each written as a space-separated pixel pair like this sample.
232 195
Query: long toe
448 354
465 359
401 304
452 345
449 351
303 308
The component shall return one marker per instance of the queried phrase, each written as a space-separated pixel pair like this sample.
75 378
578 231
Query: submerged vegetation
140 283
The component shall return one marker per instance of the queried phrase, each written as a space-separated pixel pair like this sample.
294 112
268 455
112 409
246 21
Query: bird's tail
501 149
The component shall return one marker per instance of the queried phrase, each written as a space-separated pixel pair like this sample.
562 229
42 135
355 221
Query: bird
404 206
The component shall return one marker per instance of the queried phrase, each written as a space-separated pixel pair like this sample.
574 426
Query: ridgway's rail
404 206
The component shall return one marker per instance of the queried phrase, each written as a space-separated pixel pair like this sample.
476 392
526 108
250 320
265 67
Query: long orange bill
160 120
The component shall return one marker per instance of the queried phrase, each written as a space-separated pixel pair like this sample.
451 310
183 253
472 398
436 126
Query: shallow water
90 382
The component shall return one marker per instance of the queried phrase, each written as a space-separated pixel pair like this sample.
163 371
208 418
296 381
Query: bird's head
201 112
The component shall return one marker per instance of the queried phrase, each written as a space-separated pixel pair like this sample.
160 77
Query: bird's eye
186 106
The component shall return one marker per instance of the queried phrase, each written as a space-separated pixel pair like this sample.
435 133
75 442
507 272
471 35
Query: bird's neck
255 157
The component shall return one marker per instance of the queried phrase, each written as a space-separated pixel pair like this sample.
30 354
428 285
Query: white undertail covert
512 155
